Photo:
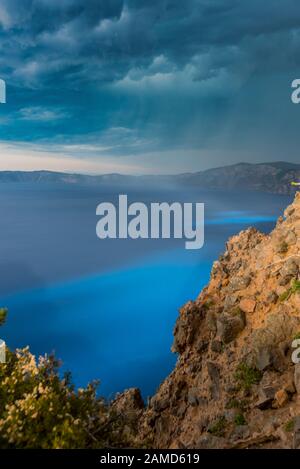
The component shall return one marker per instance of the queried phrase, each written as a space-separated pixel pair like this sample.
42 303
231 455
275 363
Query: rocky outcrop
235 384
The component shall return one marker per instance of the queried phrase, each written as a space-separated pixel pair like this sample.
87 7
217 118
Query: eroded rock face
234 384
128 401
187 326
239 283
268 345
126 412
229 326
214 374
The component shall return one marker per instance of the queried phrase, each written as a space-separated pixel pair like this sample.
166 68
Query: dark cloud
172 73
45 40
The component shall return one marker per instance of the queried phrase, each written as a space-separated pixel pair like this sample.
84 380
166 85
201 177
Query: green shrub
240 419
237 311
289 426
233 404
283 247
208 304
236 404
41 409
294 288
218 427
247 376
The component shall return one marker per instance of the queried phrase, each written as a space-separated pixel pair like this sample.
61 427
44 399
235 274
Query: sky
148 86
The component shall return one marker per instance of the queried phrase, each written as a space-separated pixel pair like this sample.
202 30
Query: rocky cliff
235 384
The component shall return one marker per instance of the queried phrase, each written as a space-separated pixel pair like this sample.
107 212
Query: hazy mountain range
267 177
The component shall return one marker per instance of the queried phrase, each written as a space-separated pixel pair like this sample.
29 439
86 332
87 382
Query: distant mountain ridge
266 177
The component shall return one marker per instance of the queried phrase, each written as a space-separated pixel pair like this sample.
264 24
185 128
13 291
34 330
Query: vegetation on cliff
41 409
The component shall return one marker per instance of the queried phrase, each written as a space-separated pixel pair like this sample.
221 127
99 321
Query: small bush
208 304
247 376
233 404
289 426
294 288
40 409
240 419
283 247
237 312
236 404
218 427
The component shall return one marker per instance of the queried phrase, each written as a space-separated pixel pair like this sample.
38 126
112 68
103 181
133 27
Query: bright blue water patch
116 326
241 220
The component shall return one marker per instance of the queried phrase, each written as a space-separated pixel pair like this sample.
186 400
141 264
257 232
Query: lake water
107 308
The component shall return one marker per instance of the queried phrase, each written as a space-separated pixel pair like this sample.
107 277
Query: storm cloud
153 77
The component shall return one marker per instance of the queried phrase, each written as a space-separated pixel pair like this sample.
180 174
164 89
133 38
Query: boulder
214 374
272 297
229 302
267 345
266 397
239 283
291 238
187 326
263 358
217 346
247 305
193 397
288 271
281 398
229 326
